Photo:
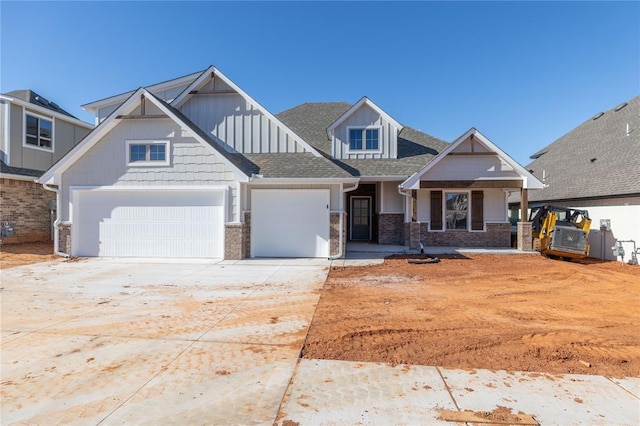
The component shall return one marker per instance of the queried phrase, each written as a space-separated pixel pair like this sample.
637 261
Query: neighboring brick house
195 167
34 134
596 167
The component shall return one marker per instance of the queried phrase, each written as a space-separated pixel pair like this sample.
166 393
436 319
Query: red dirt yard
501 312
12 255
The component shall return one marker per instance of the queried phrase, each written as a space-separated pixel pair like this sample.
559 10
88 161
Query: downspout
341 228
56 231
406 195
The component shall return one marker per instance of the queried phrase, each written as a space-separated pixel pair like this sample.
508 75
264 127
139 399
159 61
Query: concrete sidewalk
339 392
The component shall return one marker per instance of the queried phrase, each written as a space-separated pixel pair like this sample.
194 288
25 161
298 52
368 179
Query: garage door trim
76 191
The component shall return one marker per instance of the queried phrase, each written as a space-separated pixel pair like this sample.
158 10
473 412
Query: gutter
341 237
56 231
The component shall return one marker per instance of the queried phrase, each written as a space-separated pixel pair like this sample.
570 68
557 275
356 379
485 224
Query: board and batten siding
495 207
191 163
65 136
4 130
365 116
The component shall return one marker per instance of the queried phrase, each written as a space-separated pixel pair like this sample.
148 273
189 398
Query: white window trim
364 141
148 163
24 131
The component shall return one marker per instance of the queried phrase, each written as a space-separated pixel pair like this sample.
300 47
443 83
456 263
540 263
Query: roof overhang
46 111
363 101
529 181
18 177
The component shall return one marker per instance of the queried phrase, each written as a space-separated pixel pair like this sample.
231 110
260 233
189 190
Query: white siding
232 121
424 205
624 214
471 167
190 163
390 199
365 116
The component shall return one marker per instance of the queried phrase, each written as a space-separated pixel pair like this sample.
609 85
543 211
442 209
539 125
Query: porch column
525 240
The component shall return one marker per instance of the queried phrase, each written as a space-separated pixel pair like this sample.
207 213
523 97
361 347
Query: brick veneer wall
334 236
496 235
26 204
391 228
64 238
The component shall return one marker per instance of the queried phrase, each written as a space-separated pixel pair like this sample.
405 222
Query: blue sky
523 73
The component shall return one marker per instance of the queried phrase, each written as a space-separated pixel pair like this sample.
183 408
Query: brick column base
525 236
64 238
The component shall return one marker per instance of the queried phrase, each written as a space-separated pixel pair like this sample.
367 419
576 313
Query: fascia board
90 140
119 98
266 181
181 99
356 106
18 177
47 112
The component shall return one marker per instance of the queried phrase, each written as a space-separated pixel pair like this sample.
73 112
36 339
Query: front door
361 218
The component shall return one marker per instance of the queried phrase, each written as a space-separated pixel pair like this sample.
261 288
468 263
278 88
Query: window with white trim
364 139
456 210
38 131
148 153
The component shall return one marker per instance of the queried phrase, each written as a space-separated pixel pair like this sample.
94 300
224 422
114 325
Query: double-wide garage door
290 222
149 223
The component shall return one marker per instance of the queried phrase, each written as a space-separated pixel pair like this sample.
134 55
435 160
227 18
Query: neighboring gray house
34 134
195 167
596 167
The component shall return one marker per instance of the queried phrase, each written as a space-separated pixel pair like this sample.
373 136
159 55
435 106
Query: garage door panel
150 223
290 223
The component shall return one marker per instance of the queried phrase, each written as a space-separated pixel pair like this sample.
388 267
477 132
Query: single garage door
149 223
290 223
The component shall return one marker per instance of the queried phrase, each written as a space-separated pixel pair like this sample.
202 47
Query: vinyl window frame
364 150
148 144
39 117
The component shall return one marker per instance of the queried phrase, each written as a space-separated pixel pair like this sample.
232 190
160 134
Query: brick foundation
334 235
497 235
525 238
64 238
26 204
391 228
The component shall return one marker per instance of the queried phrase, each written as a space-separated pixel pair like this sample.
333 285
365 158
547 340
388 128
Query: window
38 132
364 139
147 153
457 204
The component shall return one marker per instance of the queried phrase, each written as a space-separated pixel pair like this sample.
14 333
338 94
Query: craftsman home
34 134
195 167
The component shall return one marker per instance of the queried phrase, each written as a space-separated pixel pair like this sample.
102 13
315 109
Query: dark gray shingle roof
35 99
596 159
310 121
4 169
295 165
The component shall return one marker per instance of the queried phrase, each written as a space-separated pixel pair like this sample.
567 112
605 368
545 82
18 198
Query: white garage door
290 223
149 223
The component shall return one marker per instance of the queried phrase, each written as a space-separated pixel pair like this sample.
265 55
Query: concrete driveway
132 341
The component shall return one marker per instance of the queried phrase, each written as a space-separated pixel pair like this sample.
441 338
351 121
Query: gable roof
112 121
596 159
415 148
33 98
528 180
363 101
213 71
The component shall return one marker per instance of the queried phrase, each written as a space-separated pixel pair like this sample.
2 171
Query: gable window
364 139
457 204
38 132
147 153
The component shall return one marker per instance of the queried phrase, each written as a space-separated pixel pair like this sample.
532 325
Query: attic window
38 132
619 107
147 153
364 139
